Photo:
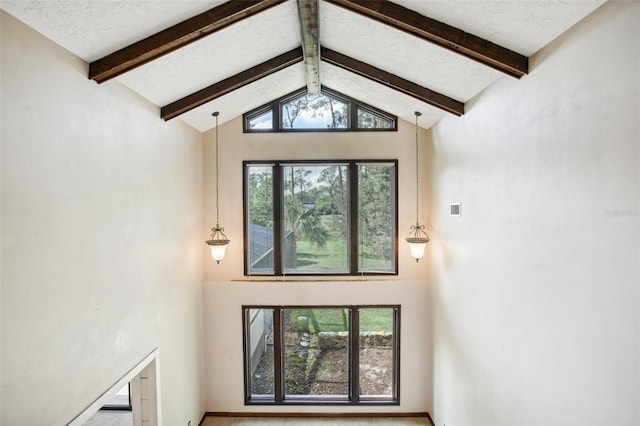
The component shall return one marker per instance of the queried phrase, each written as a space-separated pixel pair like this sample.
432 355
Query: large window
334 354
326 111
322 217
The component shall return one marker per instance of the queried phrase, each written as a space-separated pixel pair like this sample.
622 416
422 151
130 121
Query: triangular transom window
328 111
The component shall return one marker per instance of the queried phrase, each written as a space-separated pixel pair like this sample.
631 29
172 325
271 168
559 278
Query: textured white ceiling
228 52
524 26
247 98
379 96
91 29
403 55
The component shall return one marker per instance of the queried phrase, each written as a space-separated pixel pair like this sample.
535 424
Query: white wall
226 289
536 286
101 236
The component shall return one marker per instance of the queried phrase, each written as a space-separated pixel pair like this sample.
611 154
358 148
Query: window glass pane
316 352
260 351
370 120
376 351
315 219
260 219
261 121
376 206
314 112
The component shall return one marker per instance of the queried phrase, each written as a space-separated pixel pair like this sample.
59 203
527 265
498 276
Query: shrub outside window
321 218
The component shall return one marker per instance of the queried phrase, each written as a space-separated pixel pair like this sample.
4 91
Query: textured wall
101 222
536 286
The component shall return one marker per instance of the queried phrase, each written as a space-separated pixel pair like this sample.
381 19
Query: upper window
328 111
321 217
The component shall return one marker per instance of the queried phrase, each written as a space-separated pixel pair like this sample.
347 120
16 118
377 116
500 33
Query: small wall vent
456 209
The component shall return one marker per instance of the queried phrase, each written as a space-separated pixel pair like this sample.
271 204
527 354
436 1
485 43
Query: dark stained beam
175 37
441 34
393 81
230 84
310 31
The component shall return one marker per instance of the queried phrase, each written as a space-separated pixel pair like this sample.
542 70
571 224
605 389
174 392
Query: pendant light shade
417 237
417 243
217 241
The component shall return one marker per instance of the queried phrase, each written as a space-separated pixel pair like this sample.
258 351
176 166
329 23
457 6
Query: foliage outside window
321 217
314 112
335 354
327 111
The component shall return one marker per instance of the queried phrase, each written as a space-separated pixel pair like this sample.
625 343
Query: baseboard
204 416
327 415
430 419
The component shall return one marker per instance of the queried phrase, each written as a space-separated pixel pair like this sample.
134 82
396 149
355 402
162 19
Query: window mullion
396 353
276 123
353 219
354 355
278 237
277 356
353 115
245 219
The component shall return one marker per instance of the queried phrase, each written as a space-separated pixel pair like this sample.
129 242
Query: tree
261 199
318 105
301 218
332 198
376 210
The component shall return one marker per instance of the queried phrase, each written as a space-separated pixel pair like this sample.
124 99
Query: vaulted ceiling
191 58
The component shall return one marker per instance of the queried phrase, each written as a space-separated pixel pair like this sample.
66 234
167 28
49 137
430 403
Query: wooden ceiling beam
175 37
441 34
230 84
385 78
310 31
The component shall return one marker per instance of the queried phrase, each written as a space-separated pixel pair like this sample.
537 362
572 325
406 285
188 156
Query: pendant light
417 237
217 241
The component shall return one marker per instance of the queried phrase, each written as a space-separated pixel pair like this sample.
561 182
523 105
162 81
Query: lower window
332 354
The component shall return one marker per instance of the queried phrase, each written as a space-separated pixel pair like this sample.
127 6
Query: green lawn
332 257
332 319
376 319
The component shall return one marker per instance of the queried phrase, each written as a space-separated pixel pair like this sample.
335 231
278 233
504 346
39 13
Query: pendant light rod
216 114
417 237
417 114
217 241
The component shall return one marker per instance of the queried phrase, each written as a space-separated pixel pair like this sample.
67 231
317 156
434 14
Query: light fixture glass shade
218 248
417 246
417 240
218 243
